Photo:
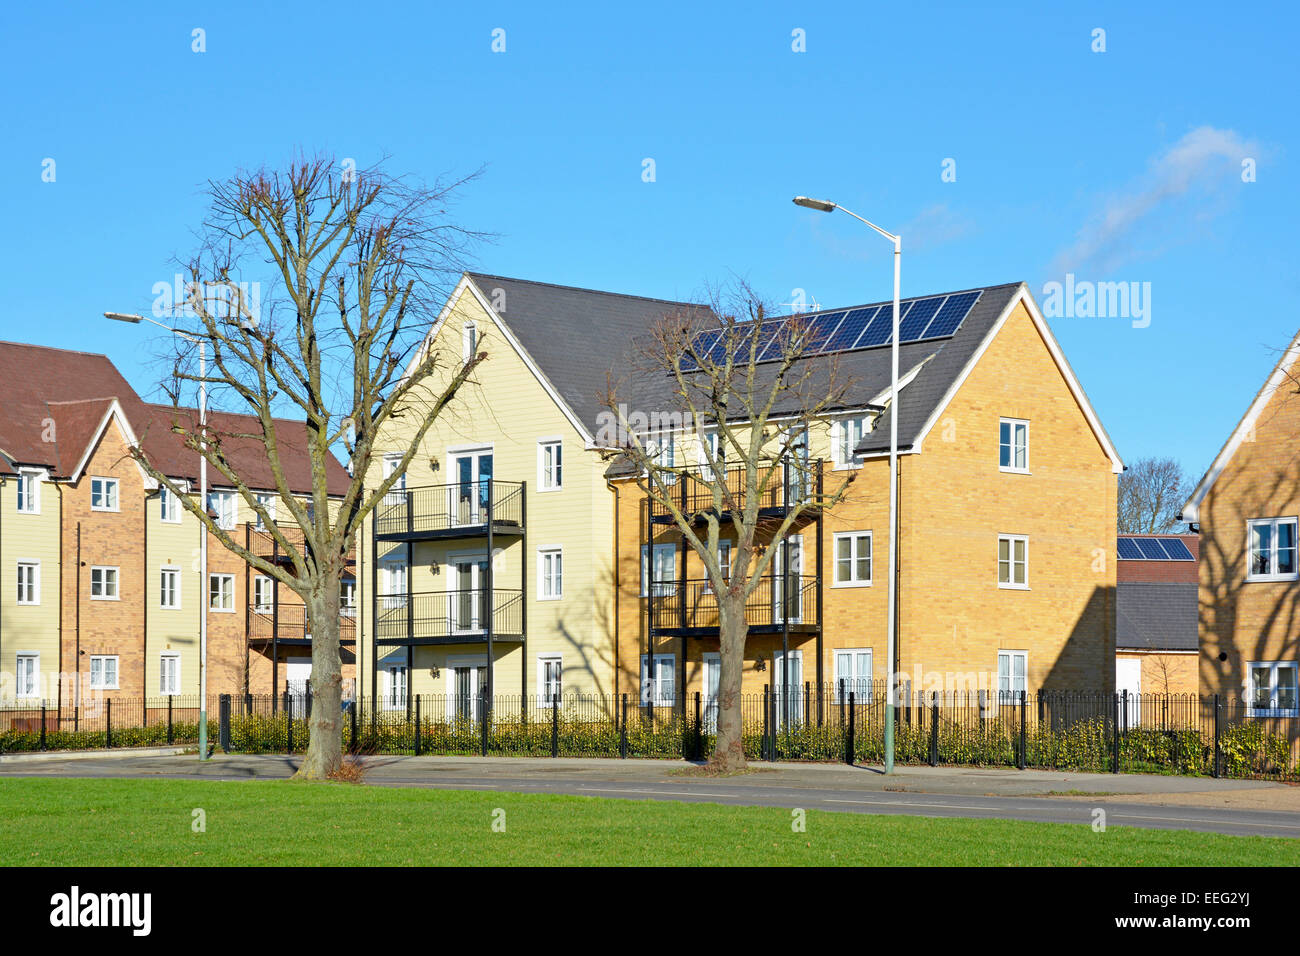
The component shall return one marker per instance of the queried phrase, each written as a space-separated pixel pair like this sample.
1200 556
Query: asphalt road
941 792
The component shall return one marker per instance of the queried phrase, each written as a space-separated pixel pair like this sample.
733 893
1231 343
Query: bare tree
1152 492
357 265
745 392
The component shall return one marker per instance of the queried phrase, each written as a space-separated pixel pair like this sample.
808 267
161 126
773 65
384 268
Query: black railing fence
289 621
695 604
448 613
1197 735
435 508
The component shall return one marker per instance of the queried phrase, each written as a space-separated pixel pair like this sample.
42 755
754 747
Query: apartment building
513 539
1246 509
103 592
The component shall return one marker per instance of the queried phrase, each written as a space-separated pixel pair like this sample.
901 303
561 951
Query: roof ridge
53 348
577 288
79 401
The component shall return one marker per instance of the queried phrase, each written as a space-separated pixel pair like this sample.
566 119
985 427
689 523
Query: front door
1128 677
468 684
789 705
469 599
711 676
472 471
297 676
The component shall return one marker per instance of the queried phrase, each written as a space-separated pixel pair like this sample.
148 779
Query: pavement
1242 807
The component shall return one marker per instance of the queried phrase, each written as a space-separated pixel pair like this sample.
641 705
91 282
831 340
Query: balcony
692 610
448 617
263 544
458 510
694 491
288 625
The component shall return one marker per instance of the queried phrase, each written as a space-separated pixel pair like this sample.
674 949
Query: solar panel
1128 550
882 330
953 313
918 317
1151 549
850 329
1176 549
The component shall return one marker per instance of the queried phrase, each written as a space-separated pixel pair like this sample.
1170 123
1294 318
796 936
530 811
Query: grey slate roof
1155 616
579 336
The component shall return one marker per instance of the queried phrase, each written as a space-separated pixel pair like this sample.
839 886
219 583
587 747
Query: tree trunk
729 752
325 747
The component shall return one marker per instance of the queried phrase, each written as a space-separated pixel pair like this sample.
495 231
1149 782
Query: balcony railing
785 485
449 509
447 615
695 606
289 622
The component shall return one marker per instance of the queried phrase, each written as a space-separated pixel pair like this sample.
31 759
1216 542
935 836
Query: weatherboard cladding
1152 616
575 334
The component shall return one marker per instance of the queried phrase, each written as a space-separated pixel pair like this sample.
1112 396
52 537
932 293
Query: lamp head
821 205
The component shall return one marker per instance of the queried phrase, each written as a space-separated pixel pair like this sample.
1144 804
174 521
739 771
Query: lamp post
824 205
203 498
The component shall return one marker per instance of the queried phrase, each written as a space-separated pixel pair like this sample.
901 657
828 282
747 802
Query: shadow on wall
594 659
1084 663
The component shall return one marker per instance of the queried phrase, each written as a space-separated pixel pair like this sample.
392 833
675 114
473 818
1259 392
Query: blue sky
1123 165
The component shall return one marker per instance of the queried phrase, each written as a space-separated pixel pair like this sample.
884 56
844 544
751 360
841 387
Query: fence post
934 728
223 722
555 725
1023 701
170 739
352 720
1114 734
841 702
622 737
418 741
1218 750
288 718
699 730
483 716
767 726
108 722
42 723
850 748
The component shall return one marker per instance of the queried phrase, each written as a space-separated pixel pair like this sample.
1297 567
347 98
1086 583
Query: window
724 560
169 506
396 494
29 675
664 573
1272 543
29 492
468 341
221 505
853 673
395 698
170 588
663 448
1013 445
103 584
29 582
550 465
1012 670
550 573
392 583
1013 561
1272 691
267 501
169 675
549 679
348 598
711 448
853 559
845 436
221 592
659 690
103 672
263 594
103 494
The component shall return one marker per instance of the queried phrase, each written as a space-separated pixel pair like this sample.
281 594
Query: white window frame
1272 574
267 500
468 341
1014 424
550 474
854 581
347 598
226 518
27 670
168 688
390 571
853 682
724 563
545 697
1274 667
218 608
117 583
842 441
33 583
1011 656
550 573
269 588
102 683
660 698
29 491
1011 584
175 573
661 588
396 674
169 506
109 488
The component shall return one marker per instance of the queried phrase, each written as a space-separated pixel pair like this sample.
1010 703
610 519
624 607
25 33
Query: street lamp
203 498
825 205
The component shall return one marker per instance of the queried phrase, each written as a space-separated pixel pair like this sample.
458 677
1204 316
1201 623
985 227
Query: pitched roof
1153 616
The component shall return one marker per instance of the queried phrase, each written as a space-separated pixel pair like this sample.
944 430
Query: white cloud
1205 164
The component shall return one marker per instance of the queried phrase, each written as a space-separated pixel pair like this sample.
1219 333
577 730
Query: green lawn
132 822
